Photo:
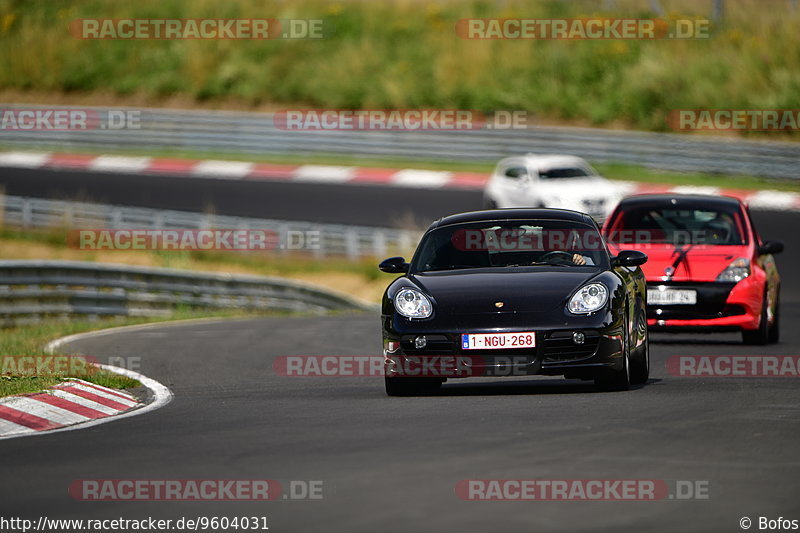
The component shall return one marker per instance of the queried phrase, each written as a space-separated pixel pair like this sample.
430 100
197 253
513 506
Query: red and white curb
76 404
335 175
242 170
71 402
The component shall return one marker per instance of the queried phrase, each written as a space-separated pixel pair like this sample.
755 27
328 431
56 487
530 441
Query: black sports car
515 292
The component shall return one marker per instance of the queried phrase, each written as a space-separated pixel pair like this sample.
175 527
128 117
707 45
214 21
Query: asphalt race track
392 464
374 205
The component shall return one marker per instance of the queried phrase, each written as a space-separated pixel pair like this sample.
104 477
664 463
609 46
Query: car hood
589 194
690 263
522 290
576 185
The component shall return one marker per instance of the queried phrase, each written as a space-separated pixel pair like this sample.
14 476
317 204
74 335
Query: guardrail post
351 244
116 218
718 9
27 214
405 243
655 5
283 238
320 251
379 243
69 215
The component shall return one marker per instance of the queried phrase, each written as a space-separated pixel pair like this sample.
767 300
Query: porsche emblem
499 304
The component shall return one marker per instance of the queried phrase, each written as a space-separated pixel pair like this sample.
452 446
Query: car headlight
412 304
736 271
588 299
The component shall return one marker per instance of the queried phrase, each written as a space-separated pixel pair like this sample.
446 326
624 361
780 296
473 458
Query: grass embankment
30 340
405 54
360 279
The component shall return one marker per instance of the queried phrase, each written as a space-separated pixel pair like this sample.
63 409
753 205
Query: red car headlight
736 271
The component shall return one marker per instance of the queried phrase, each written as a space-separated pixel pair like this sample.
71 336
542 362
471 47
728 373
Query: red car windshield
677 225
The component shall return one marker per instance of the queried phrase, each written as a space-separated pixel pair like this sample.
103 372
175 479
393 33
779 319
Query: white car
562 181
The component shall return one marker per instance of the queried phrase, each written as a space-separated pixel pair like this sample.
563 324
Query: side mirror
394 265
629 258
770 247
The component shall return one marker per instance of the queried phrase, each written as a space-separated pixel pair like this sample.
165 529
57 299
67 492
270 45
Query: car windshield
511 243
563 172
696 225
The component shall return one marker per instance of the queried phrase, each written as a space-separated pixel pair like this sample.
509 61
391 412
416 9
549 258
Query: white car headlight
588 299
412 304
736 271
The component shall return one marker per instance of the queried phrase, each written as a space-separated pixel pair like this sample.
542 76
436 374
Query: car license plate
671 297
494 341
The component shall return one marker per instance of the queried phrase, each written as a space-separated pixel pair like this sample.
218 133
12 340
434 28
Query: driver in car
578 259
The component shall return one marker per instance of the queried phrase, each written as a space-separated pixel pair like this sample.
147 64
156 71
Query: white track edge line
53 345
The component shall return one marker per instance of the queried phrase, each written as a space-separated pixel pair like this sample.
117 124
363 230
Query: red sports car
708 269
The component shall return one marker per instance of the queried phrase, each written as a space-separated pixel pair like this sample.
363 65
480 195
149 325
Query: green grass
405 54
15 385
31 340
626 172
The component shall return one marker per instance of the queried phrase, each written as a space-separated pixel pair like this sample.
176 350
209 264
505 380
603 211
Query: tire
411 386
640 364
617 380
759 336
774 334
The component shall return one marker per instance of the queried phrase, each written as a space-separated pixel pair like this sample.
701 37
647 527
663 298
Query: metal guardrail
32 290
333 240
255 133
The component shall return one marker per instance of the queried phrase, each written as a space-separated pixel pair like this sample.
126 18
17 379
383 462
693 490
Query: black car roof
513 214
679 199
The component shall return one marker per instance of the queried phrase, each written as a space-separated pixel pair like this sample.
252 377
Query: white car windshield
563 172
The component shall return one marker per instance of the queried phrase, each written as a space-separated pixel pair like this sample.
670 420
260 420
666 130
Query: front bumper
555 353
719 307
